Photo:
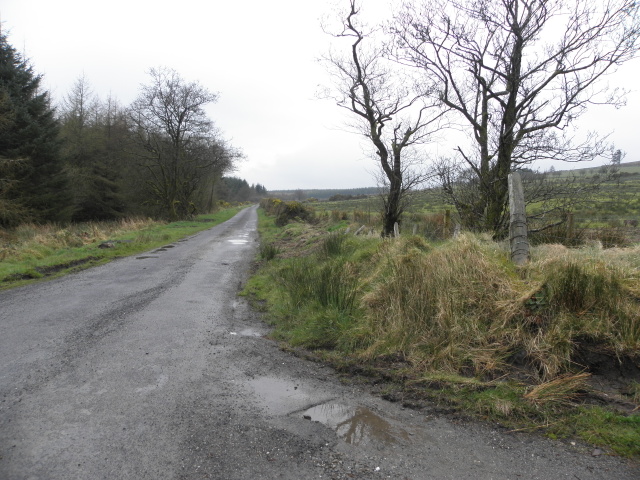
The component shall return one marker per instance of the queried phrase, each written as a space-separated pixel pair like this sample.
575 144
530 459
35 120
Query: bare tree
179 144
517 73
78 112
390 113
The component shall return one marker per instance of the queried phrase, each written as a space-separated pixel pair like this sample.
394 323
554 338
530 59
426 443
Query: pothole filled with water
283 397
356 425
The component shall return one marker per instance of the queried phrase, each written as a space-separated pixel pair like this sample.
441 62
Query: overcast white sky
260 56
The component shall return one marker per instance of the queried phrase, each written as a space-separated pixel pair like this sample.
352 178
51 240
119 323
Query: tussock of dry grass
464 307
563 389
36 241
443 308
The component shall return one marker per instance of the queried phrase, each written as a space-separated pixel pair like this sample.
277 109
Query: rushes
334 244
268 251
329 284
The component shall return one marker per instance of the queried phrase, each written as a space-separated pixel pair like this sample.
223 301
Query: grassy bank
553 347
32 252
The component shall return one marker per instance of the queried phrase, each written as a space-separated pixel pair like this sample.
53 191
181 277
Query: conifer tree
85 128
30 134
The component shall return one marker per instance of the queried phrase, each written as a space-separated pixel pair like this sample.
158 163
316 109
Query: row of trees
96 160
508 77
234 189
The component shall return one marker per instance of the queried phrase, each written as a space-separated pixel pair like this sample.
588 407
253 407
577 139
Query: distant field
322 194
618 200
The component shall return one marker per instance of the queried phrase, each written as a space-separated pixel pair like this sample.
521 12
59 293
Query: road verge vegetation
32 252
553 347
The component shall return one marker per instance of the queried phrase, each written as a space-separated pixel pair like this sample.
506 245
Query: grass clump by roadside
30 252
547 347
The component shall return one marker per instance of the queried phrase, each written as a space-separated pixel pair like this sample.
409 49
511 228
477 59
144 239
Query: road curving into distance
151 367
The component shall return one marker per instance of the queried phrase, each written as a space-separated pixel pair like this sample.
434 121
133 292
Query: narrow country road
151 367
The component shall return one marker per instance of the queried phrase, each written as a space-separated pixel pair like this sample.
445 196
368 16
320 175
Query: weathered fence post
517 221
570 228
447 224
396 230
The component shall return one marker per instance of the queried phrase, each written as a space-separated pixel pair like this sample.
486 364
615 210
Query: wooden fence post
518 221
570 228
447 224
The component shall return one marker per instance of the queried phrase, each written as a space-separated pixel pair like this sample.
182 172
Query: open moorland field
614 210
551 348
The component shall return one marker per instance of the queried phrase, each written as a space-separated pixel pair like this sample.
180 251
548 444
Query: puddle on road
282 397
243 240
356 425
249 332
238 241
147 256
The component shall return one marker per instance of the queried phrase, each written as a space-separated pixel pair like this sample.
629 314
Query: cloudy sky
261 57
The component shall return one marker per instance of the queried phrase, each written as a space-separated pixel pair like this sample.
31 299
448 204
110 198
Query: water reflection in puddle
243 240
356 425
249 332
238 241
281 396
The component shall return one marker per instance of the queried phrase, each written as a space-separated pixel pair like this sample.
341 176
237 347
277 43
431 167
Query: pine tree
85 130
31 135
99 198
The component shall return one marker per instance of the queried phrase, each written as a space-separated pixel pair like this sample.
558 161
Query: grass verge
30 252
552 347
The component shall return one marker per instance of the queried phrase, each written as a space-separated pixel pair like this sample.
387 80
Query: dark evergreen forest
87 158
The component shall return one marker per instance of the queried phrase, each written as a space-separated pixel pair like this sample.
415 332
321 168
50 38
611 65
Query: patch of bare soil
612 377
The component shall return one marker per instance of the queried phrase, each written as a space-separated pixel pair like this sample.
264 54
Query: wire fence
439 226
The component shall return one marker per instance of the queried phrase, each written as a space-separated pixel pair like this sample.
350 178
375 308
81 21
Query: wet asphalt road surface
151 367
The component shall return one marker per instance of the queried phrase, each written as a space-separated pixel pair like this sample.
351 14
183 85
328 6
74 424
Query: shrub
286 212
559 234
610 237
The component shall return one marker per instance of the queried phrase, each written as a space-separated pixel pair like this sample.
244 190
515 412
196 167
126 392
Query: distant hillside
323 194
625 167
